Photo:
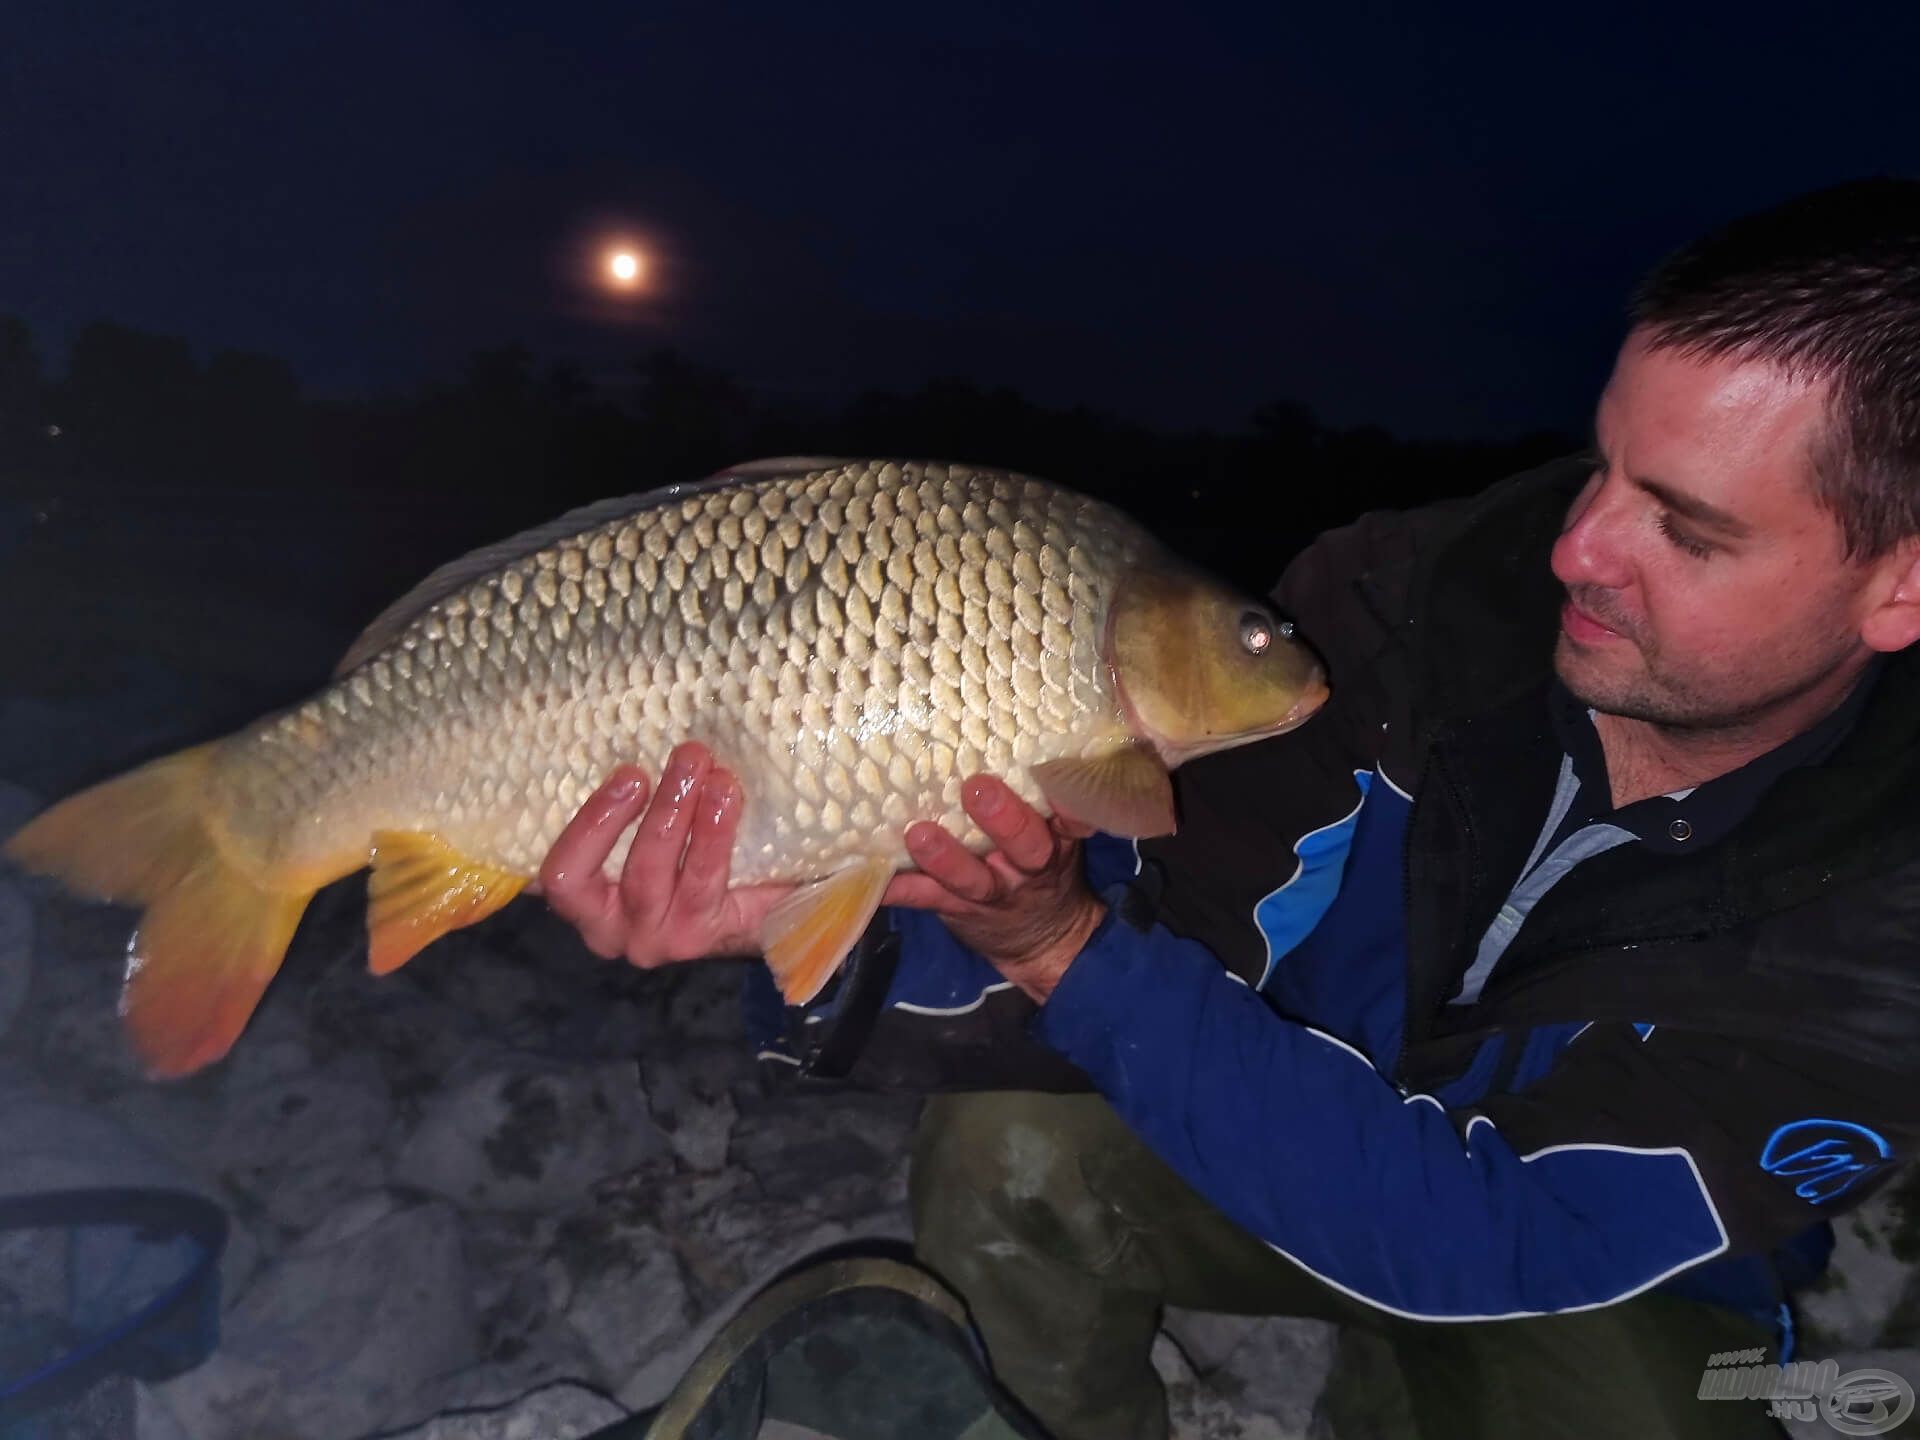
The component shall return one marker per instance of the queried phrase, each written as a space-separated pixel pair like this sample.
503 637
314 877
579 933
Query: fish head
1200 667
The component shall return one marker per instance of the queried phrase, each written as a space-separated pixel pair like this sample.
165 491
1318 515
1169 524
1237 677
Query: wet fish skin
852 639
850 642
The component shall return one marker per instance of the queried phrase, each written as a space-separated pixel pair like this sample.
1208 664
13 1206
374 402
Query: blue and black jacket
1680 1064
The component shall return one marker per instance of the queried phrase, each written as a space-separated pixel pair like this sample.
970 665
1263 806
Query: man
1538 1003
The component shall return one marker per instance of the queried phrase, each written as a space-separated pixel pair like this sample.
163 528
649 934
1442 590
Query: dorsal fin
476 565
780 465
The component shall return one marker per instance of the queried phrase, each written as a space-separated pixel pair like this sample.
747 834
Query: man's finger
571 876
1014 826
653 863
950 863
913 891
709 859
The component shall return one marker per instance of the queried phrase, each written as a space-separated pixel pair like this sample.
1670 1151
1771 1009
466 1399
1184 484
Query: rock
227 1398
703 1003
344 1334
527 1135
1278 1370
506 1251
521 1289
690 1091
151 1418
1204 1338
843 1154
522 981
1244 1376
524 1345
557 1412
1199 1412
296 1146
1875 1260
628 1299
51 1143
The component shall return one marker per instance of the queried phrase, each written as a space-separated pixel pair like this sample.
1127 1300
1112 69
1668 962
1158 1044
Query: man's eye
1698 549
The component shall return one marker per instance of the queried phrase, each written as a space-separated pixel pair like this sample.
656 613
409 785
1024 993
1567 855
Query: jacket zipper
1406 910
1432 772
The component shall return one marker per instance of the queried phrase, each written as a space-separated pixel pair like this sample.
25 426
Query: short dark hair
1828 286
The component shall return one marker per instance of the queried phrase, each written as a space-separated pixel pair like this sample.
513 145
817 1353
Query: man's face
1705 585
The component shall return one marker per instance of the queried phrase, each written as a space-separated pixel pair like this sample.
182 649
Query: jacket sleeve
1621 1169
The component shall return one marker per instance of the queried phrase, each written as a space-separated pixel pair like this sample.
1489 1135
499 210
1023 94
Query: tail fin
212 935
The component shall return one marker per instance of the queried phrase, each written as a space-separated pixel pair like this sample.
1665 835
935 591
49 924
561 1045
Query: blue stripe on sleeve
1287 914
1294 1135
1347 974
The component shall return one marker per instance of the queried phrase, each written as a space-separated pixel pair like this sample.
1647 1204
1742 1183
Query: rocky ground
511 1190
508 1171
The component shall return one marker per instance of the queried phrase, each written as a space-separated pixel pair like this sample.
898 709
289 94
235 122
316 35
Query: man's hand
672 901
1024 906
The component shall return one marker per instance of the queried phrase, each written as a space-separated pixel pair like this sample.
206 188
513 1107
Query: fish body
851 639
851 642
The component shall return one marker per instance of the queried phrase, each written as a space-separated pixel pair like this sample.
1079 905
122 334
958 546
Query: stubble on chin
1625 696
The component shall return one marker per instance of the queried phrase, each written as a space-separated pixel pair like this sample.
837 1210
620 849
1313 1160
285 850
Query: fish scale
829 773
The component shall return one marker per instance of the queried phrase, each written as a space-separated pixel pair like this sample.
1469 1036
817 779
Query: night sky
1403 215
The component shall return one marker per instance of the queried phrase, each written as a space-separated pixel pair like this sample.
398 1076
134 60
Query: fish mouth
1173 754
1311 699
1302 710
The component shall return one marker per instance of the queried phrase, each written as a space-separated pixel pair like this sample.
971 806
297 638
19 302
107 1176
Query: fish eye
1258 630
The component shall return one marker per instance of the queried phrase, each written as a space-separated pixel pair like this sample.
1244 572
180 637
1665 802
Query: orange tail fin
212 935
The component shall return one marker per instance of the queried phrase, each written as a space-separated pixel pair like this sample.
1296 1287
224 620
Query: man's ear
1894 623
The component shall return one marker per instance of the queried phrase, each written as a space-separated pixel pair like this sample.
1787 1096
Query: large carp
851 639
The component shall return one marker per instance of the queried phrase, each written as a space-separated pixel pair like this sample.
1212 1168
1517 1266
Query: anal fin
422 888
1124 792
808 934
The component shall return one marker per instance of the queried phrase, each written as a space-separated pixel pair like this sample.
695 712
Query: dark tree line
512 441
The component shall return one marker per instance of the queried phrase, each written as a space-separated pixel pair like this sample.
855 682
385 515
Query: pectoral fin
1124 792
422 888
808 934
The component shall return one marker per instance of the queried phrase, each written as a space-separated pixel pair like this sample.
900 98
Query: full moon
624 266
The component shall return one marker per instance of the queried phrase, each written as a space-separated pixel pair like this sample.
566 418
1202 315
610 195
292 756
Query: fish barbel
851 639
